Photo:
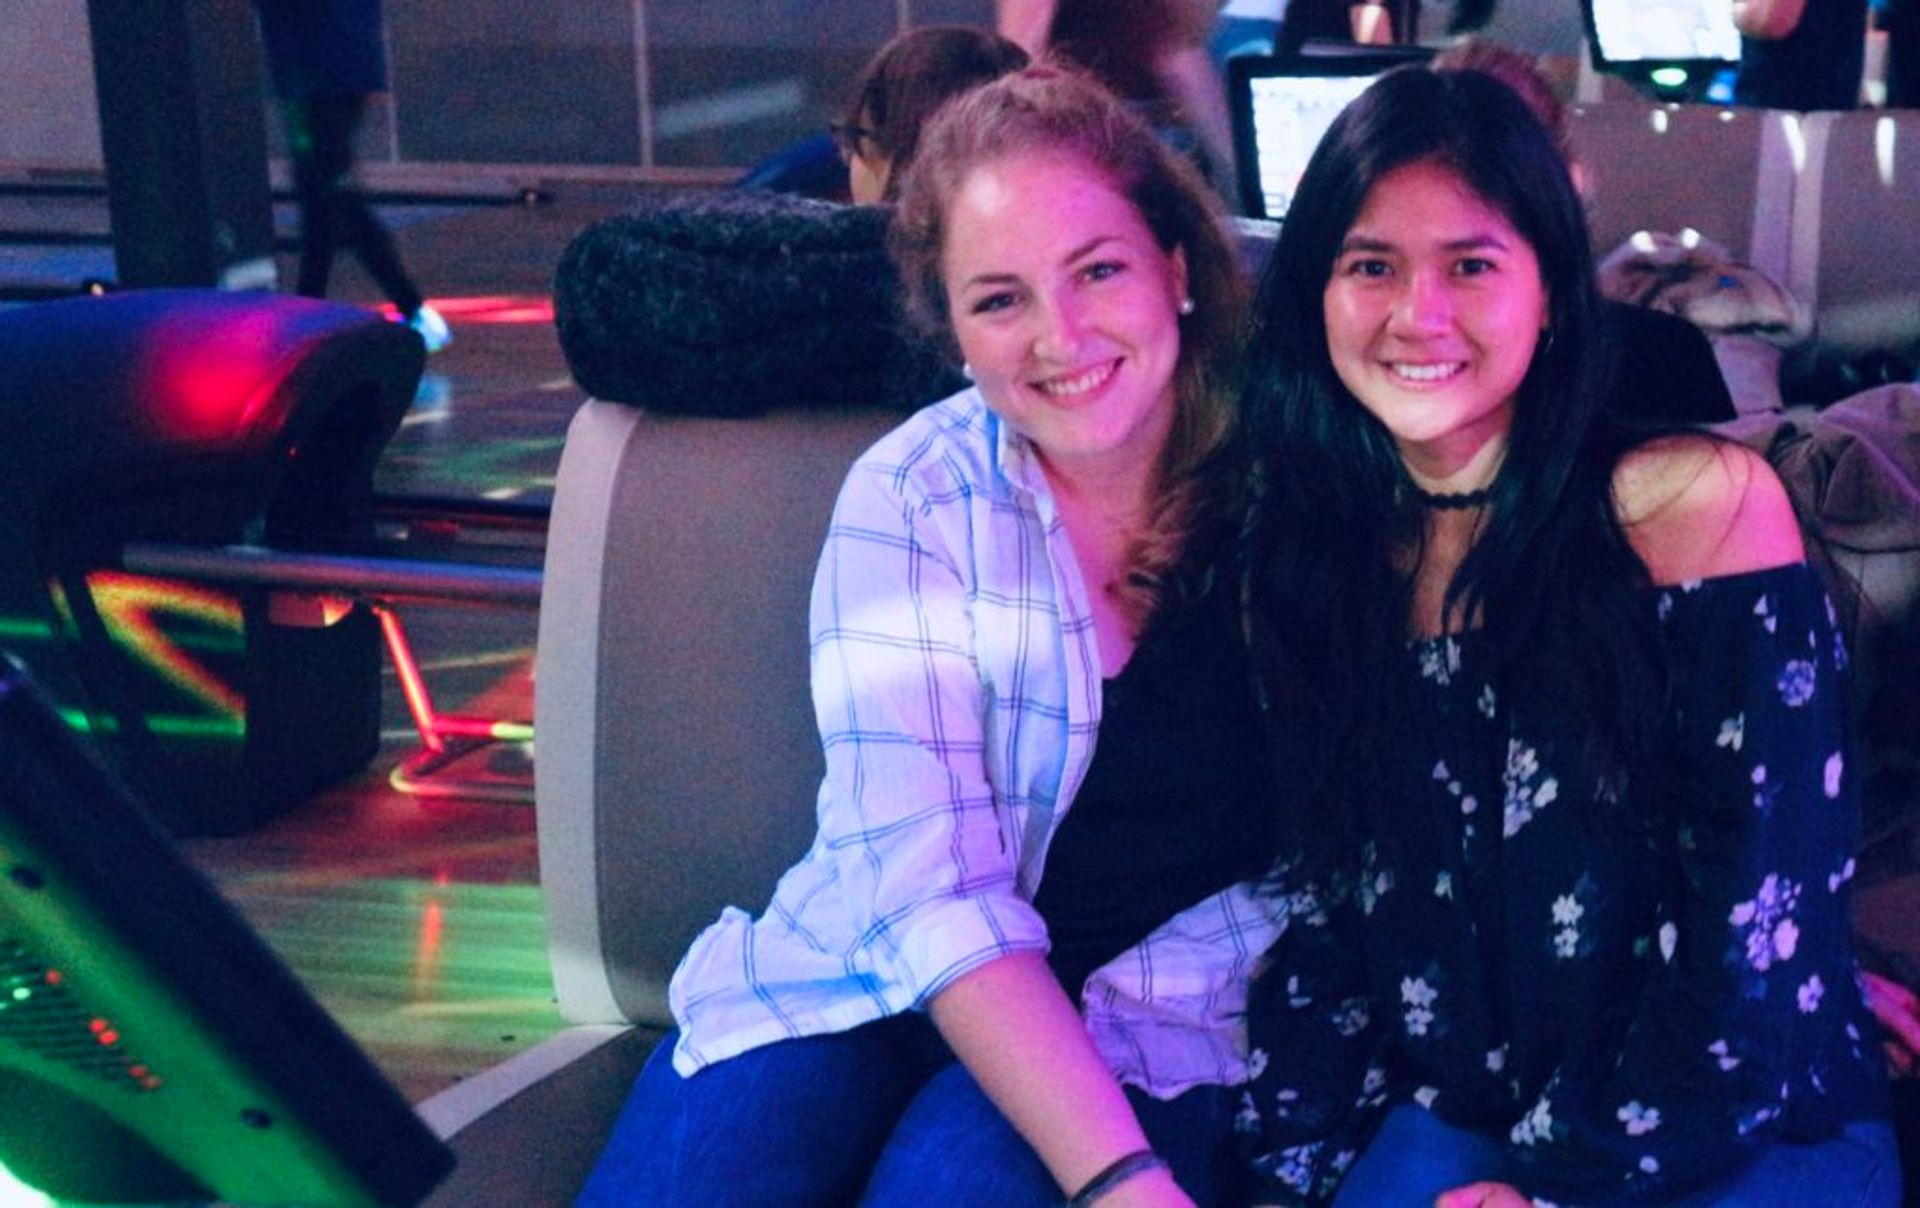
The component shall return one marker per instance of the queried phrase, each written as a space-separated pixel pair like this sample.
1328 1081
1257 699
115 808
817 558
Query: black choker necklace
1453 502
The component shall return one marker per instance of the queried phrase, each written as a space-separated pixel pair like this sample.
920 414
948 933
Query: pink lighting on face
489 309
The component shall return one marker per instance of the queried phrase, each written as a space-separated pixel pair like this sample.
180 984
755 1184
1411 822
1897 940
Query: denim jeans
882 1115
1416 1157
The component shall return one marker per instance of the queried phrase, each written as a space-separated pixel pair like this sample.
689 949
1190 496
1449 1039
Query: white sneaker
432 328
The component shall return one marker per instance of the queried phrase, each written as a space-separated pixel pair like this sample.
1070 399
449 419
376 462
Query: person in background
326 58
892 97
1900 21
1046 795
1152 53
900 90
1800 54
1359 22
1245 27
1665 372
1575 794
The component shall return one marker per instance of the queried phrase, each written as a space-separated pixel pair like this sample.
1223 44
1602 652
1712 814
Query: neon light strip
480 727
412 686
16 628
128 606
171 724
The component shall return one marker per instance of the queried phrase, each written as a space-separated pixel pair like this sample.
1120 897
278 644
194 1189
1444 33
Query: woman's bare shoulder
1698 508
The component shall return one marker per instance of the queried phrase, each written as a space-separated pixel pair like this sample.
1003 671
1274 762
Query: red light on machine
489 309
191 396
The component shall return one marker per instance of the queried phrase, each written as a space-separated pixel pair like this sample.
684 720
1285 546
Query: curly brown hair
1064 113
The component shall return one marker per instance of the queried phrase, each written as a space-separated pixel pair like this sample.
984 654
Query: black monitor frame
1698 72
1318 60
152 1047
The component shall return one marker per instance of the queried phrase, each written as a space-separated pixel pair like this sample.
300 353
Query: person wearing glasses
901 88
892 98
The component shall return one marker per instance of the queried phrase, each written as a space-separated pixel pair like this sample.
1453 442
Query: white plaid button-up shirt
957 688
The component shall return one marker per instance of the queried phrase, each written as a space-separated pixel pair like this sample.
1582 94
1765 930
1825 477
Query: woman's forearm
1018 1034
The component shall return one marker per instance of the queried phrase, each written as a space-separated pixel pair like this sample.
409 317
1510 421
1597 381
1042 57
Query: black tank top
1178 802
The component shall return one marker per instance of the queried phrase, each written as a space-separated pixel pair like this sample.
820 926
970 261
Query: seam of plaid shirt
957 691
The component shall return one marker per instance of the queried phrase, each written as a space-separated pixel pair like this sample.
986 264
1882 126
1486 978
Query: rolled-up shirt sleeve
925 851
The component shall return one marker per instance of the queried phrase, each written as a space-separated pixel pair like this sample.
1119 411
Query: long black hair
1336 535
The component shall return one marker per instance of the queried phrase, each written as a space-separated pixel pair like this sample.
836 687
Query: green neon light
233 728
212 641
28 628
171 725
1668 77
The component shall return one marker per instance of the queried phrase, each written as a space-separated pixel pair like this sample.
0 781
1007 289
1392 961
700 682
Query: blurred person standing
326 58
1900 21
1800 54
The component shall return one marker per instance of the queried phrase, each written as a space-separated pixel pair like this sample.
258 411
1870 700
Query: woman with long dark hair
1567 710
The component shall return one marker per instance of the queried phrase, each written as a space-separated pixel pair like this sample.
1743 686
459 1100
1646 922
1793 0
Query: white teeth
1428 373
1079 383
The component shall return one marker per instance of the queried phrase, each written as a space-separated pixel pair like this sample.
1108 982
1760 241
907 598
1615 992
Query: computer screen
152 1047
1626 33
1281 107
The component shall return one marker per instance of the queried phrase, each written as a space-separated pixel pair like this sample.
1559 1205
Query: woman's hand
1484 1195
1898 1011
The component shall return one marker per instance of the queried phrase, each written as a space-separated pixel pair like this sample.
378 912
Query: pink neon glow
412 685
489 309
129 606
426 961
192 396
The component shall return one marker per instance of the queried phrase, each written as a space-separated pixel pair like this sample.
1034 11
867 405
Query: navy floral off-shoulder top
1638 986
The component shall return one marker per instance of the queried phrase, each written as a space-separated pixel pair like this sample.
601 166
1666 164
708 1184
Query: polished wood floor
417 921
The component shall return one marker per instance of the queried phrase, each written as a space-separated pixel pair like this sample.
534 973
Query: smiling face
1433 310
1065 307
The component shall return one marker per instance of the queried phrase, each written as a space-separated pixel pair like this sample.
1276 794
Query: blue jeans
882 1115
1416 1157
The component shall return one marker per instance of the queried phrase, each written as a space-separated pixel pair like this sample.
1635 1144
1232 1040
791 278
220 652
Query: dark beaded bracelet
1139 1162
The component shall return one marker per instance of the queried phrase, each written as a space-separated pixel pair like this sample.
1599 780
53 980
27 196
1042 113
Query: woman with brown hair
900 90
1010 965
